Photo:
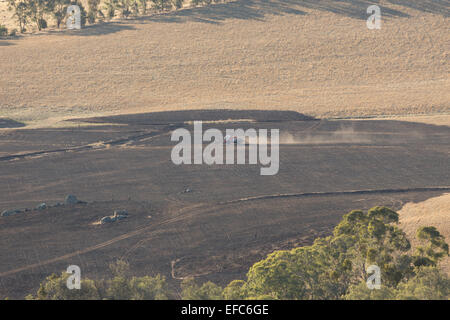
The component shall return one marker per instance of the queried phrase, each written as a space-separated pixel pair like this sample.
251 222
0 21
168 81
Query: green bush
42 24
207 291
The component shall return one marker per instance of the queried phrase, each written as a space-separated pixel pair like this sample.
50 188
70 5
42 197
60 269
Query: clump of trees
60 10
121 286
21 12
26 11
93 11
333 268
37 12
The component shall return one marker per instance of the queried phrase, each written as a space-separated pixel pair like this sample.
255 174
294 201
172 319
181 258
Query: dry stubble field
315 57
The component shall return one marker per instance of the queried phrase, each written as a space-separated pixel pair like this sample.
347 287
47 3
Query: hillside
314 57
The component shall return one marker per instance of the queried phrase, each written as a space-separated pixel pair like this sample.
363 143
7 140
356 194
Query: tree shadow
441 7
8 123
241 10
4 43
259 9
182 116
103 28
356 9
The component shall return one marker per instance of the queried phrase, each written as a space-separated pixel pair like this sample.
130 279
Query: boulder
7 213
71 199
42 206
120 213
106 219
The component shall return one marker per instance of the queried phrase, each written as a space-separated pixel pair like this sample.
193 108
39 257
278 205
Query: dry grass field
315 57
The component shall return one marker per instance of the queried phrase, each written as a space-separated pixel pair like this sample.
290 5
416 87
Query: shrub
178 3
60 10
110 8
93 10
207 291
37 9
162 5
429 283
125 7
42 24
3 31
142 4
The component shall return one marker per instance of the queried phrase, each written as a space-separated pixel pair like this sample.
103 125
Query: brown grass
315 57
432 212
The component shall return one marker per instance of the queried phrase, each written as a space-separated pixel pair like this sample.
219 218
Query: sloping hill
312 56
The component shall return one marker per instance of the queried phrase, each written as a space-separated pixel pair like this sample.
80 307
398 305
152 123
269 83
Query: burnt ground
231 218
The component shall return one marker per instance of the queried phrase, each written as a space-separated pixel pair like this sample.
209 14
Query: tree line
334 267
37 13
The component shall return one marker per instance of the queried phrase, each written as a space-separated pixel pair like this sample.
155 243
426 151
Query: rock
71 199
42 206
7 213
106 220
120 213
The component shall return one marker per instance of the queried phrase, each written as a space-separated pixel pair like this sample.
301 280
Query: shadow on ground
97 29
441 7
4 43
8 123
172 117
258 9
